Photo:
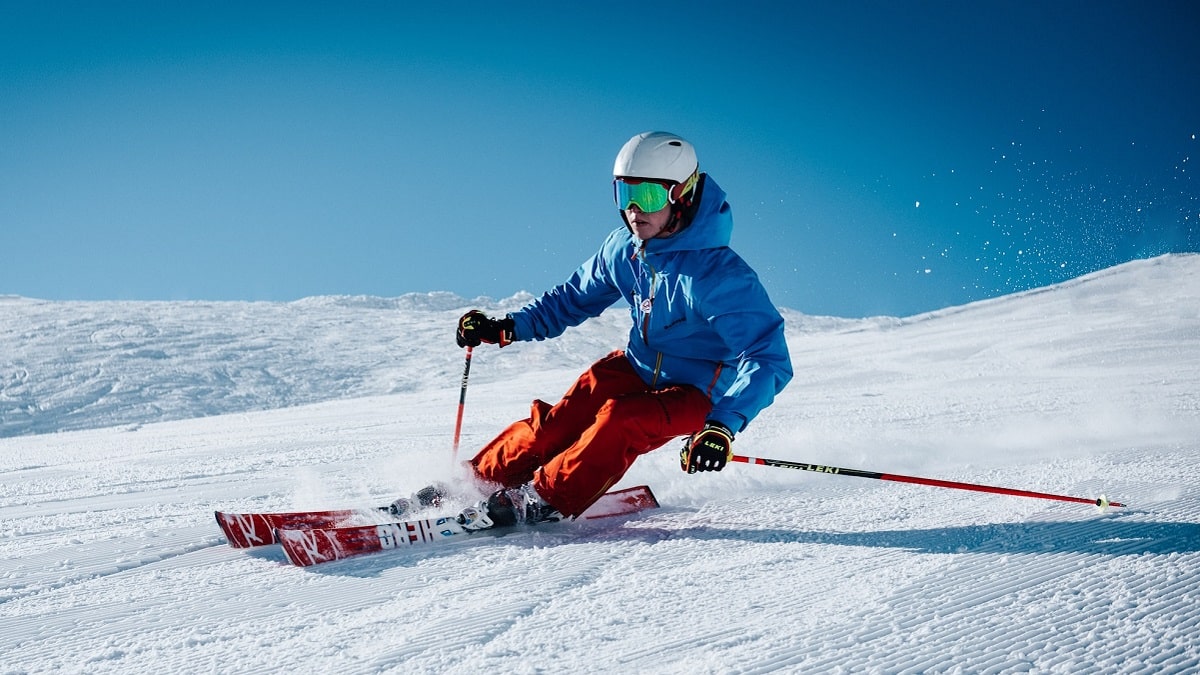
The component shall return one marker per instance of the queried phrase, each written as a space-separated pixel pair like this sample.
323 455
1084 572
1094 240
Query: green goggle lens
649 197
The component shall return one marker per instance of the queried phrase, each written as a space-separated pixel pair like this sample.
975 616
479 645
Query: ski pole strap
1101 502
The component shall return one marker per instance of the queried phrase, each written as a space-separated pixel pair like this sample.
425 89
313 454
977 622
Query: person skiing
706 351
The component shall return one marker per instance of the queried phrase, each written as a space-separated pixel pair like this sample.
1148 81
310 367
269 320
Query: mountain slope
111 563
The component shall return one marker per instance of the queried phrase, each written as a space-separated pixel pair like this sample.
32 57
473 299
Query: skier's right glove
475 327
708 449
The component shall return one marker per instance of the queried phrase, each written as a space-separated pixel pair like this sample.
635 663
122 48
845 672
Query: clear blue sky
881 157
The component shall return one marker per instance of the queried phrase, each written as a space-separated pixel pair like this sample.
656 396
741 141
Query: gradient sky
880 157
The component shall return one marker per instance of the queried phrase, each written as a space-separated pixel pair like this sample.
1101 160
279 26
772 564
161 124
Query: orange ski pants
577 449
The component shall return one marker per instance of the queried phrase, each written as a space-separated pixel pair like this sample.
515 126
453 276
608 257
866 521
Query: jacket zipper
649 302
646 318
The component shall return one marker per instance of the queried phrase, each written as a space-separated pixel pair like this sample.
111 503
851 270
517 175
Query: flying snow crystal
917 205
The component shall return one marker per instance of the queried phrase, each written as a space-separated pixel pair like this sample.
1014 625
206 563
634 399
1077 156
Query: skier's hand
475 327
708 449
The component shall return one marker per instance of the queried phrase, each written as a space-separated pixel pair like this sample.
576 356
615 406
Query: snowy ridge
110 561
80 365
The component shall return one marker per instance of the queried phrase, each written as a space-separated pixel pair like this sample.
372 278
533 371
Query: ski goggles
649 195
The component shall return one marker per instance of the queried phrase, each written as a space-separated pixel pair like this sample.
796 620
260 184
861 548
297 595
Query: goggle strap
680 189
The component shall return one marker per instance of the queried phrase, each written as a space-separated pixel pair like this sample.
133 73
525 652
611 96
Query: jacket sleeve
740 311
586 294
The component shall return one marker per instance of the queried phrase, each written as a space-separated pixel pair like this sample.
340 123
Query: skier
706 351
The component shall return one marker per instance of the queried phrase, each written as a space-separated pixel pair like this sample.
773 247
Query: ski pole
1102 501
462 401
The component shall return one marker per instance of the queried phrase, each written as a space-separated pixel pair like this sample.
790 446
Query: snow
126 424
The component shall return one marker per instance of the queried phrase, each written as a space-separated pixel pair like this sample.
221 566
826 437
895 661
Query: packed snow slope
110 561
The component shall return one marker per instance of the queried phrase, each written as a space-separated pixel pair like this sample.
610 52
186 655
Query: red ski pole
462 401
1102 502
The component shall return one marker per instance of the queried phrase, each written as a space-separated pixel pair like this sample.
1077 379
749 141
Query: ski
244 530
311 546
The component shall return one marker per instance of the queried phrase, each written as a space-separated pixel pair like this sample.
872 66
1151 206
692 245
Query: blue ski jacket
700 315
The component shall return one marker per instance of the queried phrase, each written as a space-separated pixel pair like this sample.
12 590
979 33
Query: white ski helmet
657 155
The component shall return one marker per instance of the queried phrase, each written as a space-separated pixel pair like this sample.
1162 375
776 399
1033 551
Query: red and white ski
244 530
310 546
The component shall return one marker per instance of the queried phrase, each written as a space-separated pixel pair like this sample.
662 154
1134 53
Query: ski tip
230 536
293 547
652 501
221 524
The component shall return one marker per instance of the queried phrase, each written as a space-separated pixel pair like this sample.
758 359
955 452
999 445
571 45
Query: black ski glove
475 327
708 449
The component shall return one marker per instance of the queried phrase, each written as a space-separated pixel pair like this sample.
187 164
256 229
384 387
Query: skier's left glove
708 449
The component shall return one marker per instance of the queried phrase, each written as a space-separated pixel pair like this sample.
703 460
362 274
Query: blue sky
880 157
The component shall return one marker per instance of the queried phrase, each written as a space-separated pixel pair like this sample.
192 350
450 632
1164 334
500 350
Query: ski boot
507 507
430 495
